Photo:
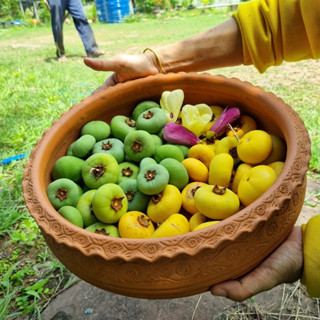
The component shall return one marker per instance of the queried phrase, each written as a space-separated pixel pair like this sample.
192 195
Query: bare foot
63 58
96 54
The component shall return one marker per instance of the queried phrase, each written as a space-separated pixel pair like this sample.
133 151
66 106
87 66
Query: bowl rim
131 250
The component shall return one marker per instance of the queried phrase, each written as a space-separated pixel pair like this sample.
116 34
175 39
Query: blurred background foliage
29 10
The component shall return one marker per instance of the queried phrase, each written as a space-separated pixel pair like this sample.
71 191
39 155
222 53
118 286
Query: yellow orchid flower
195 118
171 102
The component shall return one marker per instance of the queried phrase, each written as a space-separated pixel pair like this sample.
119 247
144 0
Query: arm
263 33
218 47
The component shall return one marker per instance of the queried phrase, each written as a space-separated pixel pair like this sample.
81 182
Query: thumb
244 288
99 64
284 265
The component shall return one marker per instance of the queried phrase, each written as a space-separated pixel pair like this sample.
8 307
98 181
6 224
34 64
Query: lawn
35 90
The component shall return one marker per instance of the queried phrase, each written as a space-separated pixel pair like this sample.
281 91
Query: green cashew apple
138 145
146 161
83 145
109 203
69 151
142 107
69 167
184 149
157 141
99 169
84 205
152 120
111 146
97 128
160 135
152 179
121 125
168 151
127 170
72 215
137 201
63 192
104 229
178 173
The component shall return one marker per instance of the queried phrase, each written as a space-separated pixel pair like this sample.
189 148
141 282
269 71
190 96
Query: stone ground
290 301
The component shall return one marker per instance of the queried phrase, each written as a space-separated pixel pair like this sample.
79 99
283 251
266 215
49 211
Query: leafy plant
26 232
147 6
9 9
207 2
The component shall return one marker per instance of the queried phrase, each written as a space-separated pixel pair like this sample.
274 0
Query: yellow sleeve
274 31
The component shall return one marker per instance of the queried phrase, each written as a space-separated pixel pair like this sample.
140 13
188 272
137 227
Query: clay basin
182 265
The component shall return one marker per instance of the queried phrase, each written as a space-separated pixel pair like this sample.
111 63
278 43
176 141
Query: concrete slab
84 301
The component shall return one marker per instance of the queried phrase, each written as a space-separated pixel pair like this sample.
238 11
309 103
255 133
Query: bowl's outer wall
188 264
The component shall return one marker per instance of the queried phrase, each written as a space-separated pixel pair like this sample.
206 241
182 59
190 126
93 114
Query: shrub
9 9
147 6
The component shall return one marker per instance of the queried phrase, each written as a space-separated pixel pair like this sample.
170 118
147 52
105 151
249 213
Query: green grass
35 90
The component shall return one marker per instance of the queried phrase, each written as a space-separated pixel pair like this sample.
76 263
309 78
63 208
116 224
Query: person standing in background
75 9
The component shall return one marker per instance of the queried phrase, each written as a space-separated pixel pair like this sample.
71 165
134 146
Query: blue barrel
112 11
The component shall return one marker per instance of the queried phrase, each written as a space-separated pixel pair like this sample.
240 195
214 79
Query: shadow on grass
69 57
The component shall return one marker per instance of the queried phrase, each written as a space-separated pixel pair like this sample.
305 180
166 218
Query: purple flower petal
176 133
227 116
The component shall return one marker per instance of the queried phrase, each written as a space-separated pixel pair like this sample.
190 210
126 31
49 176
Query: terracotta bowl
191 263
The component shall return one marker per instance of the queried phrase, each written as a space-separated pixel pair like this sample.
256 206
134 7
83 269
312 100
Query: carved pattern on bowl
172 262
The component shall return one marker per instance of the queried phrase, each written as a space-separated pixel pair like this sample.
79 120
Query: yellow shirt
274 31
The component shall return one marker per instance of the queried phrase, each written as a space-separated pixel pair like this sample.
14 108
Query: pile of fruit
167 170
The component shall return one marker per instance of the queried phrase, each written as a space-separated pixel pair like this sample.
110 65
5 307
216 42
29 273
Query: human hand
284 265
125 67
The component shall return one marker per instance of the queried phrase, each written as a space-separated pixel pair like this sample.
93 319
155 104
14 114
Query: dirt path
84 301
